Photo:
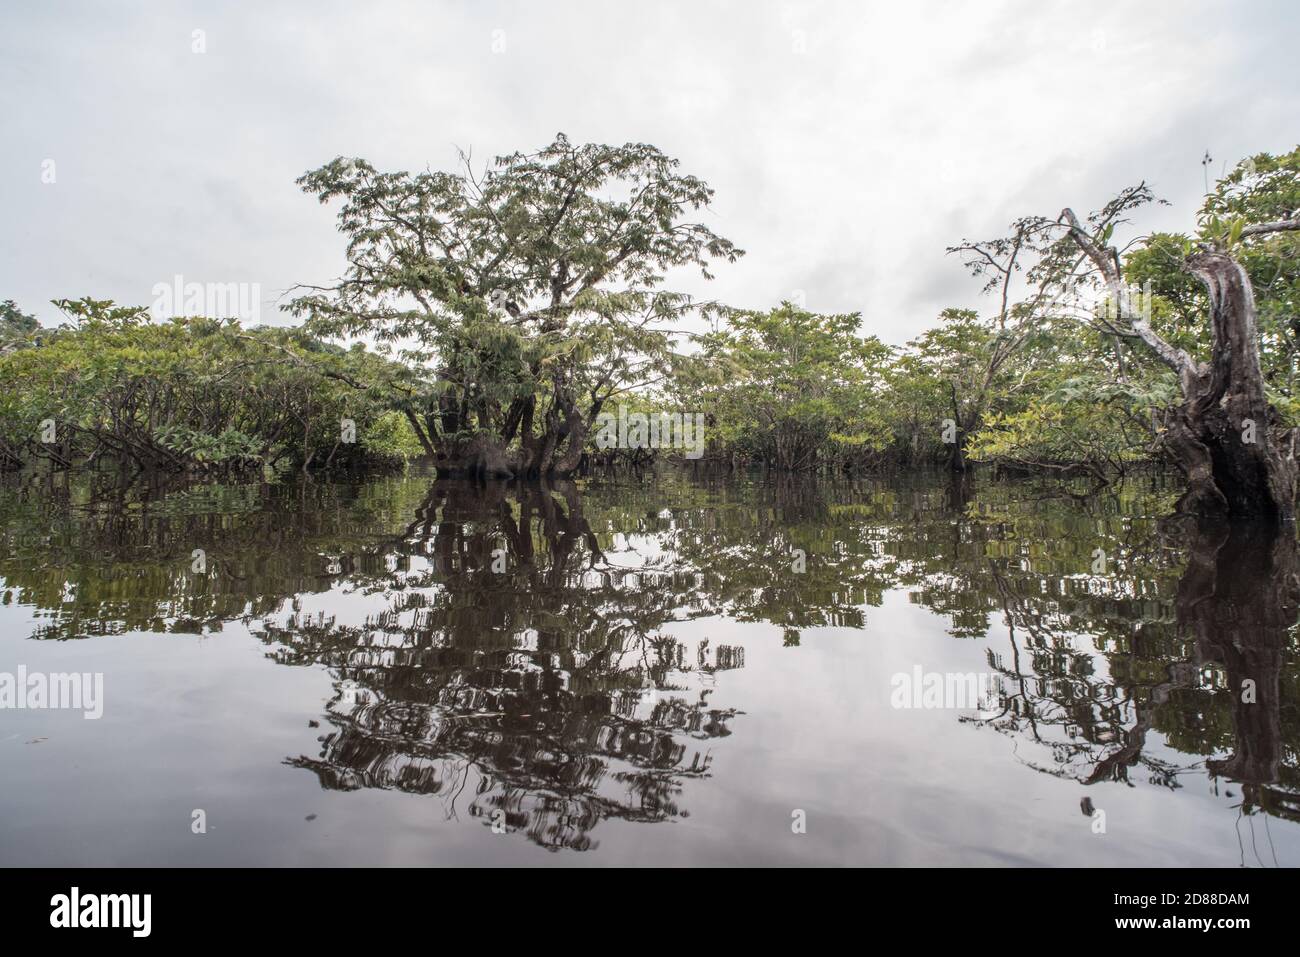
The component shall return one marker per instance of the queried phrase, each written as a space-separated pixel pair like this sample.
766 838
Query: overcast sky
848 144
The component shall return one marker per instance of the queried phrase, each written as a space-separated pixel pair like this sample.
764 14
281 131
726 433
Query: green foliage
17 328
1088 423
205 449
795 389
942 375
527 294
193 393
1259 189
389 439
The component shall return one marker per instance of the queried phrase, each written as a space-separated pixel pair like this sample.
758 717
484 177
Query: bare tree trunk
1223 433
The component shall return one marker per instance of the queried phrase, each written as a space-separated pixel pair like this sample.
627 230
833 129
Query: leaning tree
530 292
1224 433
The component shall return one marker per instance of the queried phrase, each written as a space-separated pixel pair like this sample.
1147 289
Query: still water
646 670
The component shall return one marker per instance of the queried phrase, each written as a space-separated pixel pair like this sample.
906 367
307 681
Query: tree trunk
576 426
1222 435
554 451
957 455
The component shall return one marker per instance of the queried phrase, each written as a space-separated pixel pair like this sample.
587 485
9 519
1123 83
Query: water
654 670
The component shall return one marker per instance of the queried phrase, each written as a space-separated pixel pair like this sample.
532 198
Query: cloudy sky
848 144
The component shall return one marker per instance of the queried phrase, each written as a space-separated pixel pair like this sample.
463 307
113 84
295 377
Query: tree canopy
488 315
530 293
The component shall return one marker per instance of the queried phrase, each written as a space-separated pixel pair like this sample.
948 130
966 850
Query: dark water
646 671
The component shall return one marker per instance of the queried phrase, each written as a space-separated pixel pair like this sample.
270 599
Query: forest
489 316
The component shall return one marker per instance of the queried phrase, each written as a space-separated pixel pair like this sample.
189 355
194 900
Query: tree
951 372
1225 433
981 351
795 389
1222 434
531 292
1262 188
16 327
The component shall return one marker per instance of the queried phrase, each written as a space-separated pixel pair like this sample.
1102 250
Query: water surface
650 670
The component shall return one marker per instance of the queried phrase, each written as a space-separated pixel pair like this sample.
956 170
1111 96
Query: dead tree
1222 435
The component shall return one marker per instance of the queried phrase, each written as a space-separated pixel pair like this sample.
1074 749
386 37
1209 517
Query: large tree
530 291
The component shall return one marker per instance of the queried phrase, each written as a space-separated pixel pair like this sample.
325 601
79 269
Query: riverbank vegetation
489 315
193 394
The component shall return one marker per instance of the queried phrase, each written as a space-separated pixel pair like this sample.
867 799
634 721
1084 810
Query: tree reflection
516 672
1219 677
519 657
1239 599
